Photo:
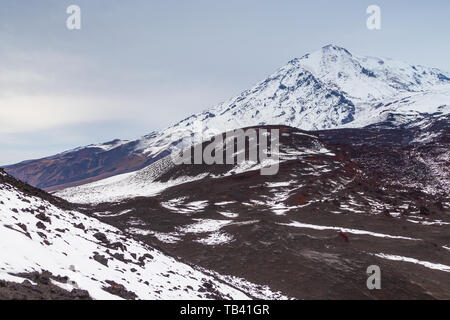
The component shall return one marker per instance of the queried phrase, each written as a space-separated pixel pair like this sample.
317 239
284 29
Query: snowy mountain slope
421 138
330 88
81 252
129 185
164 174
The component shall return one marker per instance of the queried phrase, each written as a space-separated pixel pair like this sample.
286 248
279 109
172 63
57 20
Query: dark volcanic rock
101 237
79 166
348 202
119 290
42 290
101 259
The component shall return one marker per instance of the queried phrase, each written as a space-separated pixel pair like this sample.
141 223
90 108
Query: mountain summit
329 88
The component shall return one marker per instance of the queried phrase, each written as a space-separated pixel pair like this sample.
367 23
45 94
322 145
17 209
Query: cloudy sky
138 66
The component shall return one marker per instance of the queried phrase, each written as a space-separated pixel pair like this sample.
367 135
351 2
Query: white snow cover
179 206
216 238
209 230
205 226
123 186
63 248
426 264
107 146
347 230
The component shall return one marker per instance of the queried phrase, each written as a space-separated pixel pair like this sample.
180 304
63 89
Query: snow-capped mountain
367 184
48 245
330 88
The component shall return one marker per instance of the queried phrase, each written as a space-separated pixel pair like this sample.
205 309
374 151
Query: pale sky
138 66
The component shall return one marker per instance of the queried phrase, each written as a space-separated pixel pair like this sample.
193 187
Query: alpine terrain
363 181
327 89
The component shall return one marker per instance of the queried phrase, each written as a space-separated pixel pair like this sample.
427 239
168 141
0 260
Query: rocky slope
343 200
50 250
412 148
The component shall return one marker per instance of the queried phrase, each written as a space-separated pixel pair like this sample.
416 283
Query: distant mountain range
327 89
